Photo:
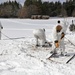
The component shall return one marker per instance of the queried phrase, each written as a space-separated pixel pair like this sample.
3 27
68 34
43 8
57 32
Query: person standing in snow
39 34
1 27
72 26
58 38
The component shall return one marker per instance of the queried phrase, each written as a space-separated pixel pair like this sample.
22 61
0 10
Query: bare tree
73 13
6 11
63 12
22 13
28 11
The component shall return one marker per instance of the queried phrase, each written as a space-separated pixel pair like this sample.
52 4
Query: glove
56 45
62 35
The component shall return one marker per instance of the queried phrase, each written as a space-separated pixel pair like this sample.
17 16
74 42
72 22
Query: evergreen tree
27 2
9 9
45 8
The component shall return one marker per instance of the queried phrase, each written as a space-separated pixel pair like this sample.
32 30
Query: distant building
40 17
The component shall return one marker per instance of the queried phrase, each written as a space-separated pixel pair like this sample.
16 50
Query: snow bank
19 56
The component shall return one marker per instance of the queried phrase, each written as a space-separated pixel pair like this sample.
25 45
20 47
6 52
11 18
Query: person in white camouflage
1 27
39 34
58 38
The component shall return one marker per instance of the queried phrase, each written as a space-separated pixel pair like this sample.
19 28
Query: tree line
13 9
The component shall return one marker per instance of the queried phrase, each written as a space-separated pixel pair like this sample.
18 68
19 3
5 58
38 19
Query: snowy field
19 56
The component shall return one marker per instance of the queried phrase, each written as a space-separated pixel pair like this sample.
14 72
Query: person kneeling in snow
39 34
58 38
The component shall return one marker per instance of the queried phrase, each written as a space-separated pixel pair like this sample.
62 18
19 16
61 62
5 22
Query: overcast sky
22 1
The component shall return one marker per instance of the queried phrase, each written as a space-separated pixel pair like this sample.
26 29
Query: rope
6 36
13 38
70 42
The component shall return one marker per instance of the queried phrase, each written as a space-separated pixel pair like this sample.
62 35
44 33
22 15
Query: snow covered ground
19 56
